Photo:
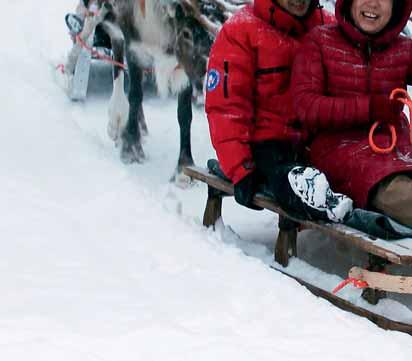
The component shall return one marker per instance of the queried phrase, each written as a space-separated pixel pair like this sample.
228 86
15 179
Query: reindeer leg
132 150
142 124
184 117
119 104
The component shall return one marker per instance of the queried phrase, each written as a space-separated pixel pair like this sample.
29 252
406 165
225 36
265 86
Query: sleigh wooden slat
392 251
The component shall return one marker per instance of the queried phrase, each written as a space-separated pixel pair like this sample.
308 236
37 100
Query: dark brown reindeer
174 38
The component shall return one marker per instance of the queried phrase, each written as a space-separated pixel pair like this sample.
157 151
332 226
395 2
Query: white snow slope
102 261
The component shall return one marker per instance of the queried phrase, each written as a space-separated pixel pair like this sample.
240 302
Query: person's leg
311 187
393 197
300 190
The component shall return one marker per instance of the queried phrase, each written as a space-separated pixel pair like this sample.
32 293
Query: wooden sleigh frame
381 253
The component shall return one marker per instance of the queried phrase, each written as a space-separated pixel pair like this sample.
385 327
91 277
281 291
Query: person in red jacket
342 78
253 127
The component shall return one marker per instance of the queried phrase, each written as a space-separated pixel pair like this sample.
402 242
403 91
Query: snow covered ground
102 261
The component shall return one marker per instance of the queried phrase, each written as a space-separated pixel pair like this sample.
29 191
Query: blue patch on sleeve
213 79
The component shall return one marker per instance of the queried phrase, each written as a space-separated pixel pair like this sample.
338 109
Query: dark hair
398 10
312 7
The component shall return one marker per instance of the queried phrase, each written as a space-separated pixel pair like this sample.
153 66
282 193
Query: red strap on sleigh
355 282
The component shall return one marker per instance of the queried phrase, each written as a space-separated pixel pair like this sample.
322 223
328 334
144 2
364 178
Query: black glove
245 190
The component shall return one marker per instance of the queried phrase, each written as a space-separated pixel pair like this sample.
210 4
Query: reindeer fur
168 36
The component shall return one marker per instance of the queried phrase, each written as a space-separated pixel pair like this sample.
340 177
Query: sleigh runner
381 254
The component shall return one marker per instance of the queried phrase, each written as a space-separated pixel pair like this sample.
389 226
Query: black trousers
273 161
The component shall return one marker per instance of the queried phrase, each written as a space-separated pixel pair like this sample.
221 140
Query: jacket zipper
225 76
368 68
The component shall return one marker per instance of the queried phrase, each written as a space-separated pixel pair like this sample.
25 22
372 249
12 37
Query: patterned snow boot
312 188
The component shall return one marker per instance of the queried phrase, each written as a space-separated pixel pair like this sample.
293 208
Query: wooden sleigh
381 253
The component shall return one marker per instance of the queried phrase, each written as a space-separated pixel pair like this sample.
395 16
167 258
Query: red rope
60 67
97 55
356 283
108 59
142 4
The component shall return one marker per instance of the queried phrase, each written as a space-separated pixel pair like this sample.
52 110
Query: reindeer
174 38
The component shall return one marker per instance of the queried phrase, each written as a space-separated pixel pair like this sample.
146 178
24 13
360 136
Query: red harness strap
97 55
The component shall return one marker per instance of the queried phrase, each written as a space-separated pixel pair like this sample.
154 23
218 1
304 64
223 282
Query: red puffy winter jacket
335 73
248 98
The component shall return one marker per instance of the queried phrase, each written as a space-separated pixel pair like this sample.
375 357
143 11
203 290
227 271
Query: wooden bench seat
398 252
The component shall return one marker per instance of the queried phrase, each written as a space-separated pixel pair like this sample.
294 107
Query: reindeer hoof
115 127
143 130
181 180
132 153
113 130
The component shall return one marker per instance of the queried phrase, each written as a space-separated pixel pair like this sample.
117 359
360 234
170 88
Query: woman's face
371 16
295 7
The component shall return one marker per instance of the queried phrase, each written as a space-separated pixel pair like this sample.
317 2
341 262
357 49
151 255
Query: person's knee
393 197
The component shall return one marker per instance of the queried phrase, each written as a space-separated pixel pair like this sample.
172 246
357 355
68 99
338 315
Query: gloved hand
382 109
245 190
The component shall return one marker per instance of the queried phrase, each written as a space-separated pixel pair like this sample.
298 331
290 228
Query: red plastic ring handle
380 150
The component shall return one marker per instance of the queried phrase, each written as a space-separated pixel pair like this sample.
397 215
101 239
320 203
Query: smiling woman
342 78
371 16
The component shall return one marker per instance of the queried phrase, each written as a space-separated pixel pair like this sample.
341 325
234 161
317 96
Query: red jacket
335 73
248 98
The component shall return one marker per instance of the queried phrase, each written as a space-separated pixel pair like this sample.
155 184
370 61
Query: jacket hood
271 12
400 15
